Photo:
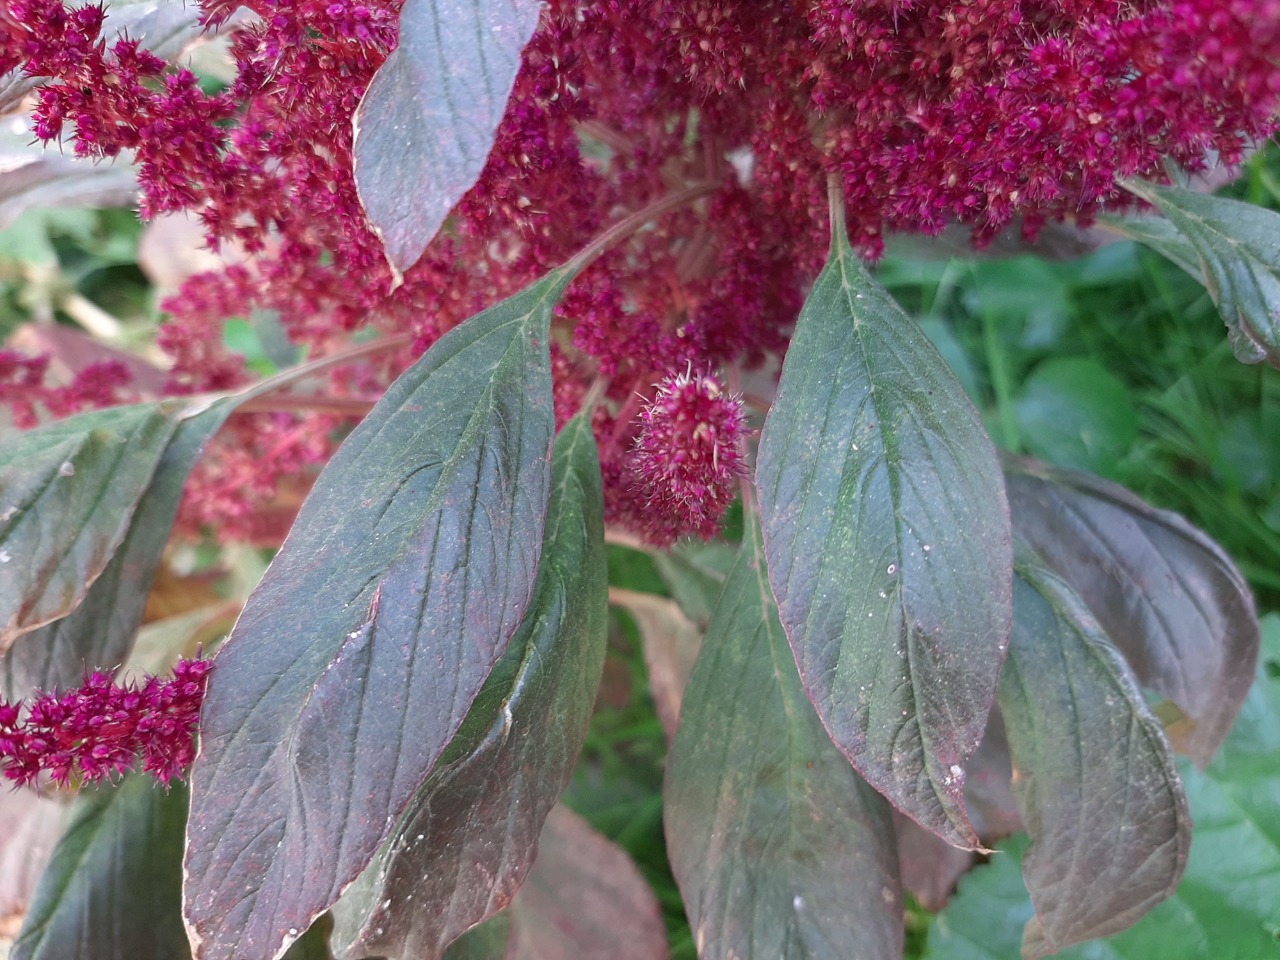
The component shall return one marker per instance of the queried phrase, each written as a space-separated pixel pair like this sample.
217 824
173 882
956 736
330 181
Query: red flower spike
97 731
687 458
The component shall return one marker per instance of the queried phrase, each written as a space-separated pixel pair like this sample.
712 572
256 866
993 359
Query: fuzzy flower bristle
97 731
687 457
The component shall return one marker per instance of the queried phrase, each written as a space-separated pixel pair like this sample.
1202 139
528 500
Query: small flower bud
688 456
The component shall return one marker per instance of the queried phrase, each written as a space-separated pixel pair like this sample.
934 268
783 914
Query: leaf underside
584 898
357 658
779 847
1237 246
1094 777
888 543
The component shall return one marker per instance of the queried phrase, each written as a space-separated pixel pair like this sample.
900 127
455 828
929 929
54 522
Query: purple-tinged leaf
67 495
929 865
1093 774
1167 595
112 889
1225 907
1237 246
584 898
986 787
430 115
99 633
779 847
355 661
461 851
887 536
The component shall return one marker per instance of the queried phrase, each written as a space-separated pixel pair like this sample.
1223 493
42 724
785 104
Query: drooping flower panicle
987 113
99 730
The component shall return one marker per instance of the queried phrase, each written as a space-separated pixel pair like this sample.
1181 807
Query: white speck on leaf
67 469
5 556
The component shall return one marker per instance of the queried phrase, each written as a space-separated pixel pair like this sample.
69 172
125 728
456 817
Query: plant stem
286 378
636 220
835 210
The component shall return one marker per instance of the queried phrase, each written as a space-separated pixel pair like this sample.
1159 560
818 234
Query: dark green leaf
1238 249
1093 774
1074 412
99 633
357 658
584 898
779 847
113 888
430 114
1167 595
1225 908
470 834
888 542
1160 235
67 494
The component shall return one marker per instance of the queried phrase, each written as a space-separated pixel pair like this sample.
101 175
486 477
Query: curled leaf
1093 774
1168 596
1237 246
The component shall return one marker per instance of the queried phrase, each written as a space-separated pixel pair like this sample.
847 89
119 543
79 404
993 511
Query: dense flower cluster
684 467
928 112
23 388
98 731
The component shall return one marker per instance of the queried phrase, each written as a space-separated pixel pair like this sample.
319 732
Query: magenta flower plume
98 730
688 457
